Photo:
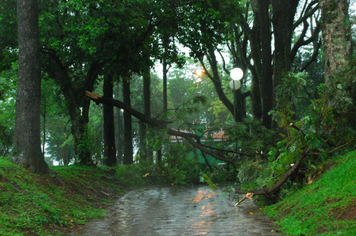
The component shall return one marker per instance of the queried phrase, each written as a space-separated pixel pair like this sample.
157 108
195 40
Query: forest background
293 113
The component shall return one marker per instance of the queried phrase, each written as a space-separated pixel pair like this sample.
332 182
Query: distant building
210 138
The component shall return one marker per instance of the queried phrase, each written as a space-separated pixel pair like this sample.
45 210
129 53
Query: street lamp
199 72
236 75
235 84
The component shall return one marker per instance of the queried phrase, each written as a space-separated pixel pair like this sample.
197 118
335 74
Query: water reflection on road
180 211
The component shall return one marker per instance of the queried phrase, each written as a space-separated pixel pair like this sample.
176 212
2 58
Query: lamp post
236 75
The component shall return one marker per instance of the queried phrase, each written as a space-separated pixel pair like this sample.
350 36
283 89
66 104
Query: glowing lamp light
236 74
235 84
199 72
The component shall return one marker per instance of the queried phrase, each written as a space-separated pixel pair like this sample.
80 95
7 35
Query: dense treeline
294 110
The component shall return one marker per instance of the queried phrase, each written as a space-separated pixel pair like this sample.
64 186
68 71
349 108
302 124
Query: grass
326 207
53 204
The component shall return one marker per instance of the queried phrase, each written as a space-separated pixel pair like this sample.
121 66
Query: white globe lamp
235 84
236 73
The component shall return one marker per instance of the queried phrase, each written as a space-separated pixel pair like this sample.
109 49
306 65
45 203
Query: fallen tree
274 187
194 140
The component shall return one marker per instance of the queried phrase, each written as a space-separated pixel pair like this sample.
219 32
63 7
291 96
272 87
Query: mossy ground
325 207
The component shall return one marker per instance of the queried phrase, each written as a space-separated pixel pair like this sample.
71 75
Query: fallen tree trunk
279 183
193 139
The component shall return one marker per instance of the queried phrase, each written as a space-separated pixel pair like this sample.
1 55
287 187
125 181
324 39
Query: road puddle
170 211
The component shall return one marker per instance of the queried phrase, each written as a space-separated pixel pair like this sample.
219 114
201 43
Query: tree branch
281 181
193 139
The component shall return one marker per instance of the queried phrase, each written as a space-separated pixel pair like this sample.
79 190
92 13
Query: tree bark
27 138
336 33
109 127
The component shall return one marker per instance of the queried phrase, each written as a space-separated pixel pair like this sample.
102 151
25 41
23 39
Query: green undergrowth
325 207
53 204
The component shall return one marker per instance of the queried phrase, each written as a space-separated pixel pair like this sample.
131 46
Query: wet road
170 211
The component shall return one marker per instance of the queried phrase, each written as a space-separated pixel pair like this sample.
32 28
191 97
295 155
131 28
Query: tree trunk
77 105
283 18
165 97
256 69
336 36
27 138
109 128
44 116
266 56
215 78
119 130
146 106
128 149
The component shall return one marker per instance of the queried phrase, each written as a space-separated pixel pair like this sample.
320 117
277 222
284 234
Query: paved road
170 211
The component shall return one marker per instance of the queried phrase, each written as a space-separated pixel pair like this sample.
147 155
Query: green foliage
55 124
323 127
293 97
131 175
177 167
205 24
8 85
322 208
8 35
208 180
155 138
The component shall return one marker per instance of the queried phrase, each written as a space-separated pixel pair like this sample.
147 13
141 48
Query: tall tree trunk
146 105
165 97
254 37
238 51
27 139
109 128
336 33
79 116
215 78
44 115
256 71
266 56
77 105
283 18
128 149
119 129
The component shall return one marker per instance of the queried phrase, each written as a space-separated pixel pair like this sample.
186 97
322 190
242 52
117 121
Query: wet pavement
170 211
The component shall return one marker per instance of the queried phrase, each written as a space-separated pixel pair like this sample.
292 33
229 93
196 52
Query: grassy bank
53 204
325 207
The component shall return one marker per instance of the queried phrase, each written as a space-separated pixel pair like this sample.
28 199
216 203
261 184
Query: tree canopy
138 60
